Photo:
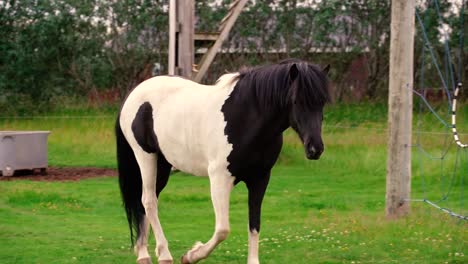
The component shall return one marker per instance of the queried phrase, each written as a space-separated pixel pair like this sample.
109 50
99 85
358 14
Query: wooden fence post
400 102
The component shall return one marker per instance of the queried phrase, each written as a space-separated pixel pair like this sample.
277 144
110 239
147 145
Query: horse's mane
272 83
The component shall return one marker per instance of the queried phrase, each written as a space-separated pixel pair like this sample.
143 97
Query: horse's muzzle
313 153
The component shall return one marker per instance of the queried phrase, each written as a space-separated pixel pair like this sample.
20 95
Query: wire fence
453 164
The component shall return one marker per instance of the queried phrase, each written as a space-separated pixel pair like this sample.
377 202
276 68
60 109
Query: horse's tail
130 183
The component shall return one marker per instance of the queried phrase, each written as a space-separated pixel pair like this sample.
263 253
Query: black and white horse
230 131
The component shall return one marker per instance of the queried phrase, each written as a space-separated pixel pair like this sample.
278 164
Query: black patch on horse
143 129
258 111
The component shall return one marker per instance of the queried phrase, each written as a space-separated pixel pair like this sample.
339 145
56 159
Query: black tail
130 183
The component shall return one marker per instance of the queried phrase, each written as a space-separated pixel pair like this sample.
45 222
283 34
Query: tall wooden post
186 21
400 108
181 32
172 37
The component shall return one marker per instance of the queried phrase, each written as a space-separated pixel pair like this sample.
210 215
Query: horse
230 131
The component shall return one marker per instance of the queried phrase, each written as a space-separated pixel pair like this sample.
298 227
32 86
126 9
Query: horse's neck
243 109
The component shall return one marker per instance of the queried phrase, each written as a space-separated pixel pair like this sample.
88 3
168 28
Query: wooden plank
400 109
233 5
211 53
210 36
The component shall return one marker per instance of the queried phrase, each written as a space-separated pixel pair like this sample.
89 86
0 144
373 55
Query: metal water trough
23 150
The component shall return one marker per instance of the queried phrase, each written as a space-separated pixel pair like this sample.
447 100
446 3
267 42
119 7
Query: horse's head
308 95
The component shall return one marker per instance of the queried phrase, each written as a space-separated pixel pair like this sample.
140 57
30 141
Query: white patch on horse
189 126
188 121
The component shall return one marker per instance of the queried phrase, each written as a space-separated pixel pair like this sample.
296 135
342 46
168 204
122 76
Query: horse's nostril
312 150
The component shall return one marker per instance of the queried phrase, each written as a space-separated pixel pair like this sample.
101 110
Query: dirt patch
61 174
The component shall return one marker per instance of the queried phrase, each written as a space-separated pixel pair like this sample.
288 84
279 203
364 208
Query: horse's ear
326 69
293 72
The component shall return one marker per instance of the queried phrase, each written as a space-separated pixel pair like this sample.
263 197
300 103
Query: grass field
326 211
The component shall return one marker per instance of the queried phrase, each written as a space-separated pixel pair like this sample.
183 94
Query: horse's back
188 122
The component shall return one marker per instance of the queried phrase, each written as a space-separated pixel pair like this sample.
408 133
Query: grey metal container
22 150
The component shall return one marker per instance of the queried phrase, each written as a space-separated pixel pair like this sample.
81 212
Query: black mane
271 84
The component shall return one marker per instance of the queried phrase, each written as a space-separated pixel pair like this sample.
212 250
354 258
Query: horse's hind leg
221 183
163 172
147 163
141 247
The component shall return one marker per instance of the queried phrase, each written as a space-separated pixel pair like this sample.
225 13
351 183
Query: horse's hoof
165 262
184 259
144 261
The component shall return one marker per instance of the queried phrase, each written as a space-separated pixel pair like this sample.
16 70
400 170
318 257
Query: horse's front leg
256 187
221 183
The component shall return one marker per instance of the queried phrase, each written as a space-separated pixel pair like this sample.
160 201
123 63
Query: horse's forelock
311 86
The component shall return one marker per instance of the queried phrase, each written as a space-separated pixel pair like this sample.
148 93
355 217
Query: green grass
326 211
